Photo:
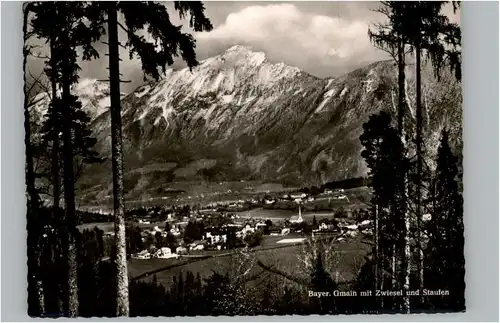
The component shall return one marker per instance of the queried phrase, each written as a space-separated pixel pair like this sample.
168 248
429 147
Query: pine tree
36 302
446 263
382 152
67 21
153 18
322 282
422 25
390 38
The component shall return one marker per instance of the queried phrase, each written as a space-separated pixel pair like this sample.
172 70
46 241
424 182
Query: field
350 258
109 226
204 193
279 214
191 192
283 257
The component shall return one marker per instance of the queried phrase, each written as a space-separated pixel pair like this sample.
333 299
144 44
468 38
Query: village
222 226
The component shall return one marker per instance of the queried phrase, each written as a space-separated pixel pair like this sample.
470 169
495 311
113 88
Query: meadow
350 255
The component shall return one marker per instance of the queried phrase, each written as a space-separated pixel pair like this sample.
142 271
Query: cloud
323 38
321 45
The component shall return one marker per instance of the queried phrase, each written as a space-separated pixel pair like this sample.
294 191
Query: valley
242 120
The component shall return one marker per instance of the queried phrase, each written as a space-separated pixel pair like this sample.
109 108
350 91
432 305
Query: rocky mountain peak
238 116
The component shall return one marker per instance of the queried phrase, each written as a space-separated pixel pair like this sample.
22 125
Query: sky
323 38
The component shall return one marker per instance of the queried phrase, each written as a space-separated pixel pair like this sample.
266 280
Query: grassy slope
351 256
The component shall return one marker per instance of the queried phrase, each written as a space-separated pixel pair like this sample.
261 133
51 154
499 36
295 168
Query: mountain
93 94
238 116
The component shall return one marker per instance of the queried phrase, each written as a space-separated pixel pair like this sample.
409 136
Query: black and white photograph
243 158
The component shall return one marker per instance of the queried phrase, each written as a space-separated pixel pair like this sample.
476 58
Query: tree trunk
394 280
69 183
401 88
376 256
33 223
419 168
122 298
56 178
56 182
405 255
381 274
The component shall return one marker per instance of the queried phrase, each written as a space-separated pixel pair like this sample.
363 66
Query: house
298 196
323 226
297 218
365 224
268 202
285 231
164 253
247 229
215 238
145 254
197 247
197 243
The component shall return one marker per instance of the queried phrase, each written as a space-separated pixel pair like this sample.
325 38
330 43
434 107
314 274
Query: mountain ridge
237 116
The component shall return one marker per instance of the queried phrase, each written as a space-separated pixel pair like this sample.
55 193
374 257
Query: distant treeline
90 217
156 213
344 184
348 183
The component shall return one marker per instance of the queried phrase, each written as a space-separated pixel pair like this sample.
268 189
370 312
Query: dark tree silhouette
445 250
66 20
36 303
382 152
152 18
322 282
390 38
429 32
